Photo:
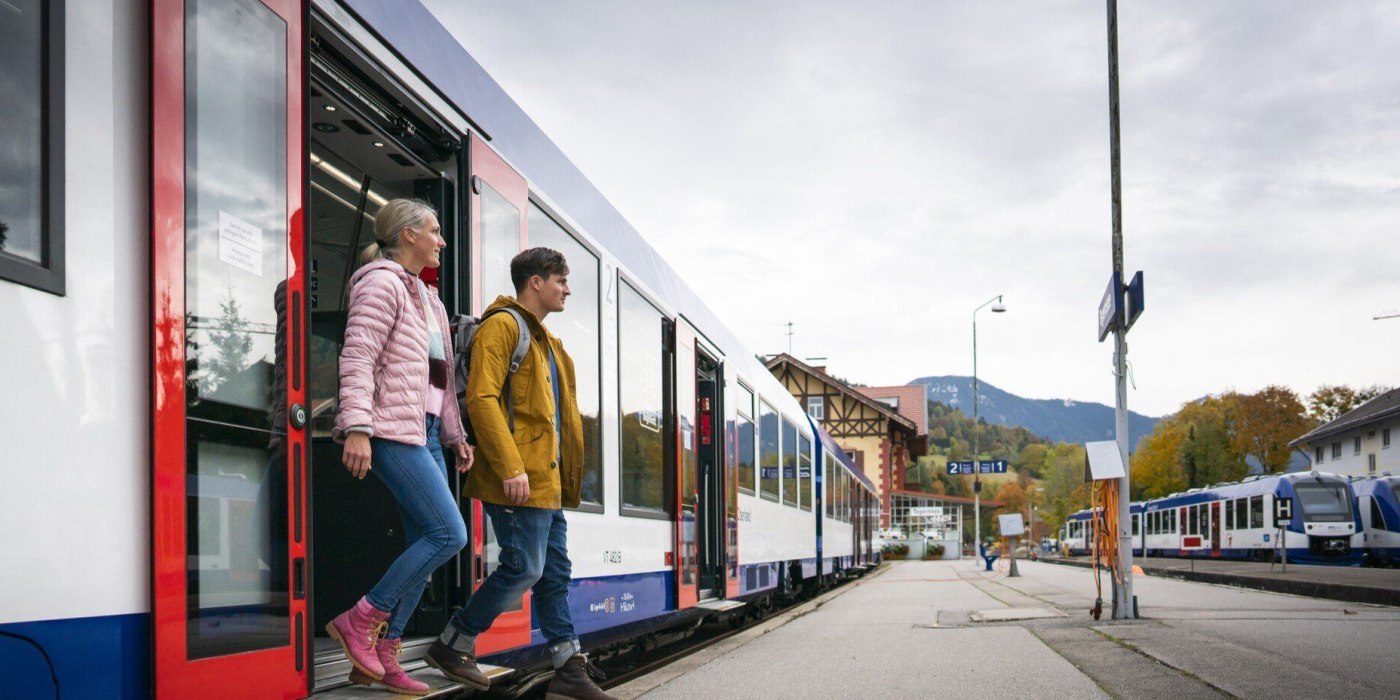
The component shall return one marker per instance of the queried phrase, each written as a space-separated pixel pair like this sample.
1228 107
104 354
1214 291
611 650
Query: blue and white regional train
1378 505
187 185
1236 521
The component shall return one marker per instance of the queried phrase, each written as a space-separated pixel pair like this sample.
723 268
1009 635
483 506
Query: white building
1360 442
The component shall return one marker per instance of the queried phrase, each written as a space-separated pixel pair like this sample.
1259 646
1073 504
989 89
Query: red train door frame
190 660
489 172
1215 529
731 483
686 560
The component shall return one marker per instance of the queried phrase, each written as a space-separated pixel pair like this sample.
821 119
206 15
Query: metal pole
976 459
1123 595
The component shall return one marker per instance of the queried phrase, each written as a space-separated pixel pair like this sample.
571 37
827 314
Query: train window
500 241
31 234
804 472
1377 517
767 451
828 478
1191 521
640 367
789 485
1241 513
1324 501
1137 525
1203 514
1256 511
581 333
746 440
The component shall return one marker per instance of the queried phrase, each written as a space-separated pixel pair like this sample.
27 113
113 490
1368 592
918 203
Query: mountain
1061 420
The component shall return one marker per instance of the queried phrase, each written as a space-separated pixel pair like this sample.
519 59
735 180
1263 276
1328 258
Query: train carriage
1378 506
204 175
1236 521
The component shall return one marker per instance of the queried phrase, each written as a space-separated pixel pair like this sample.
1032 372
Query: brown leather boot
458 666
574 681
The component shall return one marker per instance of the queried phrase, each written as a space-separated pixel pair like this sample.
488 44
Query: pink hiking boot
395 678
357 630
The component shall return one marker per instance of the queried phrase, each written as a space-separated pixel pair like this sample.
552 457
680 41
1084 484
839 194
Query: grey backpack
464 330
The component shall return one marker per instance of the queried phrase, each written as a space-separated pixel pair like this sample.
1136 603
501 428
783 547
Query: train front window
1325 502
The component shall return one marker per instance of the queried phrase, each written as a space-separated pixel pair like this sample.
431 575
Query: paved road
924 629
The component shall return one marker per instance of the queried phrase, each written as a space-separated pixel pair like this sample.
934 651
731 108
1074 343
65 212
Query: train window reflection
578 327
746 440
639 360
789 484
500 241
767 451
804 472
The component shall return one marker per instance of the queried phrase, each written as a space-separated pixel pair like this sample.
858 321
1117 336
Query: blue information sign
988 466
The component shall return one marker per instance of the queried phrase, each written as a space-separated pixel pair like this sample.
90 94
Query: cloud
873 171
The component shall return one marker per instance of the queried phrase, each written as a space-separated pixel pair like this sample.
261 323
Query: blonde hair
395 216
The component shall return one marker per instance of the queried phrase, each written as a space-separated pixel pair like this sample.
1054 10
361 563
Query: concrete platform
1347 583
935 629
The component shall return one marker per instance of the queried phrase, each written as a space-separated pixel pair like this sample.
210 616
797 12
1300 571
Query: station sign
1111 306
986 466
1283 510
926 511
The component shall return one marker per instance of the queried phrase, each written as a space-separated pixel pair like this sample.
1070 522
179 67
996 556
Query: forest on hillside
1217 438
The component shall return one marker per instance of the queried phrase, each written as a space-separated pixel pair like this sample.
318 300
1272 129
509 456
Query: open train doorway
368 144
710 517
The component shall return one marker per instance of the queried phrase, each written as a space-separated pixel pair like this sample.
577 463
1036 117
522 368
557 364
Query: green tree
1328 402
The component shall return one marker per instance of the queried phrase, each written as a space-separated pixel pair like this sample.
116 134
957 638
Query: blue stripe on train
93 657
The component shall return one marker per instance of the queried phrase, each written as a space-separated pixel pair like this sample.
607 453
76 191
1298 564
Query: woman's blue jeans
433 527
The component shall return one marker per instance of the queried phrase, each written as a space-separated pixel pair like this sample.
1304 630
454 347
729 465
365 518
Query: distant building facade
1360 442
880 438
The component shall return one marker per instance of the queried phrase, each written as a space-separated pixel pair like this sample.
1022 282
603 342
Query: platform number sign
1283 509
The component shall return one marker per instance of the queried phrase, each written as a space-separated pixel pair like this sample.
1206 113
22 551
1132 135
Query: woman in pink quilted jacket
397 411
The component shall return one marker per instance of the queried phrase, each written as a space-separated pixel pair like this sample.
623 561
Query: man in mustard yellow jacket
524 477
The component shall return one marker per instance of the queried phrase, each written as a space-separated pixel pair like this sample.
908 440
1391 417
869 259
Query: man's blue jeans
534 556
433 526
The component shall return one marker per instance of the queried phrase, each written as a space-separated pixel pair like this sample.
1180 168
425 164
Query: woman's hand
465 456
357 454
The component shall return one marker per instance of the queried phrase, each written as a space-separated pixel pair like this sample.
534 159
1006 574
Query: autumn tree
1265 422
1156 465
1032 459
1329 401
1012 498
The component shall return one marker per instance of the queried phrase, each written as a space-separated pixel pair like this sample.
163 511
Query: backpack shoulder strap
522 346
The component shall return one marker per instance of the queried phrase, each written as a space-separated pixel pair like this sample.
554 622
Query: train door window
1256 511
745 440
1203 516
1137 524
1241 513
580 330
768 454
804 472
1191 521
640 404
1229 513
1377 517
788 479
500 241
31 236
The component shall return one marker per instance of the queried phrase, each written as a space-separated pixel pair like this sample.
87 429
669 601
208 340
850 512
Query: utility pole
997 308
1123 607
789 335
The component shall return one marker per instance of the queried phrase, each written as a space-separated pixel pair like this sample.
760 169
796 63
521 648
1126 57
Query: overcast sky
874 171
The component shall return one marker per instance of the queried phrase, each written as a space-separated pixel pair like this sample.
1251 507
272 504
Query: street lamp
997 308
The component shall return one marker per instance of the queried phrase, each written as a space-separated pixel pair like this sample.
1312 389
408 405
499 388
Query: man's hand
465 456
517 489
357 454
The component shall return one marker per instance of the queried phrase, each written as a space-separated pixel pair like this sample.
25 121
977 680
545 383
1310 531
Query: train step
439 686
718 605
